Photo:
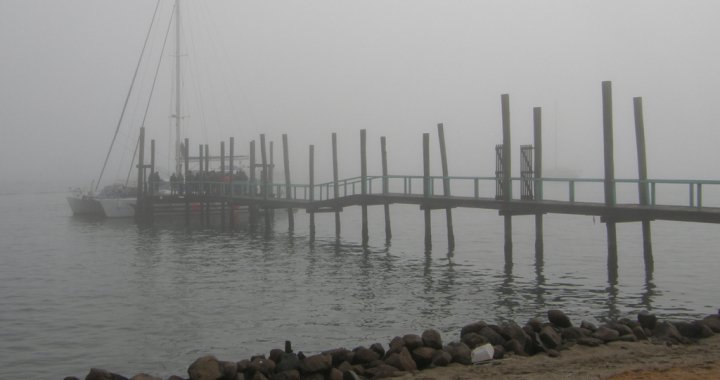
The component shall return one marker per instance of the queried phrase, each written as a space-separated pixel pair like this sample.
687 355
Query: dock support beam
288 189
643 194
312 192
426 190
207 175
200 186
609 175
265 180
446 187
140 202
507 184
336 191
252 188
363 186
222 185
186 185
386 189
231 220
537 142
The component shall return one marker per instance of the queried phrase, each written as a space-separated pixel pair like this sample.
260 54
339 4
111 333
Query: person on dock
173 184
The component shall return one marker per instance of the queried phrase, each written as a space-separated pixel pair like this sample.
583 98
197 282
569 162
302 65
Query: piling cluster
412 352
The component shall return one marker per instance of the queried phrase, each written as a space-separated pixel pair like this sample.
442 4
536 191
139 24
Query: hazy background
395 68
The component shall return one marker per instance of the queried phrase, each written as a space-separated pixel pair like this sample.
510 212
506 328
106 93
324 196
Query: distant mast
178 115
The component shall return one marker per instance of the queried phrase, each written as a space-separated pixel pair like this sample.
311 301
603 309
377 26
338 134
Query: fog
395 68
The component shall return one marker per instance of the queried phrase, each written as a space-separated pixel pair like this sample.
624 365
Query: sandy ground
616 361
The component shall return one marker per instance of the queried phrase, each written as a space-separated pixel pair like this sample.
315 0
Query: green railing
474 187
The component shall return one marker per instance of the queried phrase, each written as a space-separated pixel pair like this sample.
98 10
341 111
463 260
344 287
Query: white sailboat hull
118 207
85 206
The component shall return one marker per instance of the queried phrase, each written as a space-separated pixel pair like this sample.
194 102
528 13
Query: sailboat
119 200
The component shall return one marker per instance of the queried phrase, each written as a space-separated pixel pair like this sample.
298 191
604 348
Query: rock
145 376
588 326
647 320
573 333
70 378
288 361
378 348
423 356
396 345
515 346
535 324
590 341
693 330
362 355
713 322
335 374
412 341
499 352
666 331
243 365
553 353
344 367
606 334
292 374
513 331
432 338
627 338
620 328
639 332
314 376
492 336
550 338
441 359
229 369
473 340
460 352
259 376
350 375
402 361
473 327
558 318
339 355
276 354
260 364
174 377
205 368
381 371
316 363
101 374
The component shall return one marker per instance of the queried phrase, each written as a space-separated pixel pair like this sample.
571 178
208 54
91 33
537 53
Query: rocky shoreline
411 353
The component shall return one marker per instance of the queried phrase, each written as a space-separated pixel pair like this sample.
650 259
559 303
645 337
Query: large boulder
647 320
402 360
258 364
550 338
205 368
101 374
339 355
441 359
606 334
694 330
379 349
512 330
666 331
287 362
412 341
315 364
396 345
423 356
473 327
492 336
432 338
573 334
460 352
587 325
558 318
362 355
145 376
713 322
622 329
473 340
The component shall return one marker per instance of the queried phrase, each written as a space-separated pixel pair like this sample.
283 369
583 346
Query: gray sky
395 68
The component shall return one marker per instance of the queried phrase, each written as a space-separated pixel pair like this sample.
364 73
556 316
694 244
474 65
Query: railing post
336 191
699 195
571 190
691 194
476 183
652 193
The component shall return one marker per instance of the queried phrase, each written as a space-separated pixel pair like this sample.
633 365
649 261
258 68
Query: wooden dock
261 194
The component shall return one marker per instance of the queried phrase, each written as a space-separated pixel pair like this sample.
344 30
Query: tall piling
311 191
643 193
207 185
446 187
184 183
265 175
427 190
252 209
140 177
507 178
609 181
200 178
222 187
231 190
336 190
288 188
386 189
537 142
363 186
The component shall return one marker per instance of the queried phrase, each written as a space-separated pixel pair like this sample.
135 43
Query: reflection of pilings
537 137
609 171
642 176
446 187
506 169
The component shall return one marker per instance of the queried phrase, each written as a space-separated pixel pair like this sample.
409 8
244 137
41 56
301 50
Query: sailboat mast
178 115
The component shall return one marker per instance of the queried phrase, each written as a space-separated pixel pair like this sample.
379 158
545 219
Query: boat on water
114 201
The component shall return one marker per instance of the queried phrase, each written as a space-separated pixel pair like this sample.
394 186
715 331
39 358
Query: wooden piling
446 186
271 178
537 142
312 192
643 193
426 190
386 189
363 186
609 182
288 189
336 192
507 184
207 173
264 180
231 193
222 184
140 178
252 209
200 179
154 184
185 184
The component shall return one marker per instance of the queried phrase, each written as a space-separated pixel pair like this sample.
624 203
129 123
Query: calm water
78 293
